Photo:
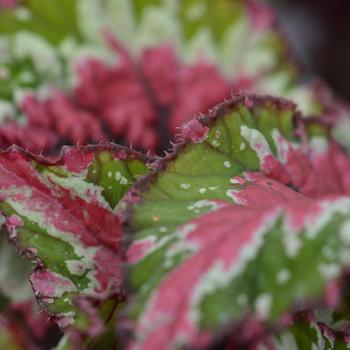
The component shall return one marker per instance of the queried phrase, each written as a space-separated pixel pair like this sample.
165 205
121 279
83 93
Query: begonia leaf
249 216
65 214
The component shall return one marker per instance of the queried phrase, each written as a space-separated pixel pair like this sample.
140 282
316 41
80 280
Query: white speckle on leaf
204 204
235 181
242 146
168 263
23 14
329 271
109 174
120 178
283 276
185 186
215 143
202 190
292 243
263 305
124 180
227 164
344 232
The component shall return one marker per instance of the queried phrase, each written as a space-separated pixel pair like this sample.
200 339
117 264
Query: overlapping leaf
249 216
66 215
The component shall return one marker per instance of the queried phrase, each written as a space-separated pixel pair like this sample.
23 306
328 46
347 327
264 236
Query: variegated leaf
66 214
248 216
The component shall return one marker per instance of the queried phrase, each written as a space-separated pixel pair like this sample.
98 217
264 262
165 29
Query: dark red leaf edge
207 120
